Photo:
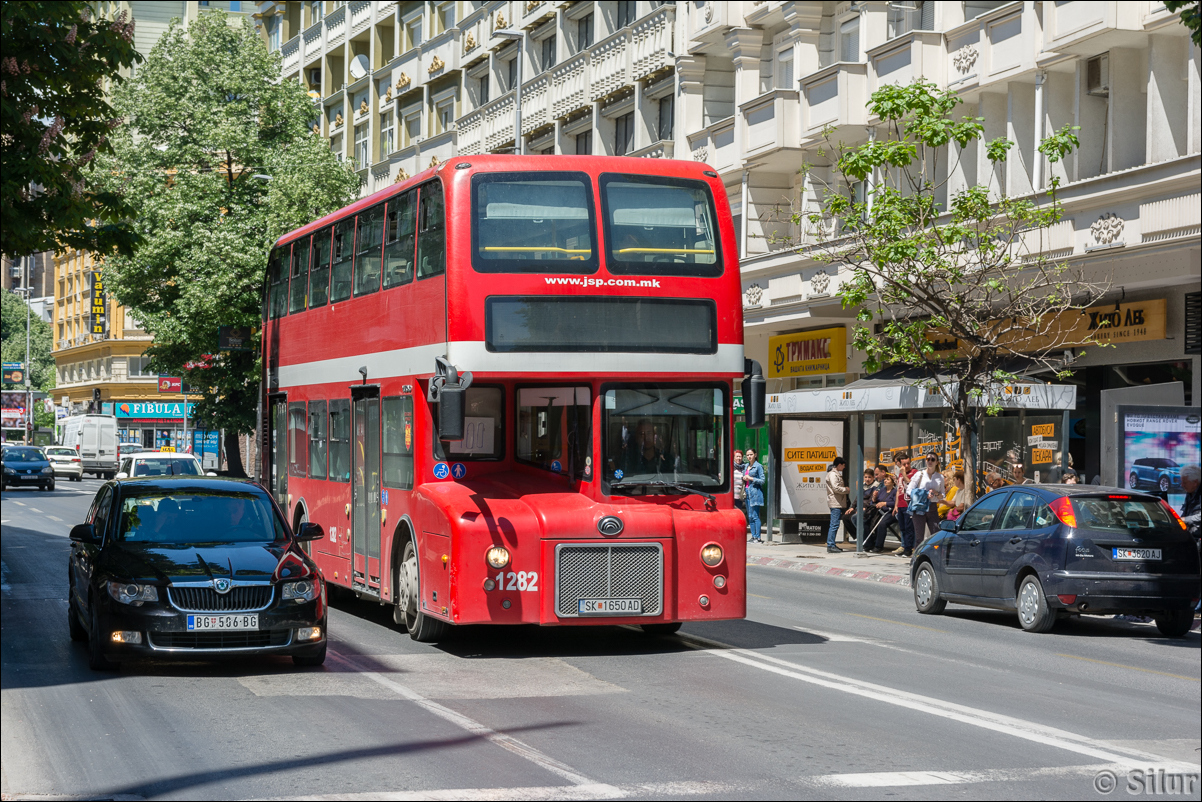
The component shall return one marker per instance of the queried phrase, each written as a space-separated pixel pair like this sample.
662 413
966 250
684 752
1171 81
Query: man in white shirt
925 492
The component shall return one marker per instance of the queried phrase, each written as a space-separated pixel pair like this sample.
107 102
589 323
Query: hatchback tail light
1063 508
1173 514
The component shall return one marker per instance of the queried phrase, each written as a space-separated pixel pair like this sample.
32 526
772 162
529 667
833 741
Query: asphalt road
832 688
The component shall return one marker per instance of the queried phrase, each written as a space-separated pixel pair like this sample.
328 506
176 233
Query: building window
444 115
784 69
362 146
584 144
667 108
623 133
849 40
273 32
482 87
548 52
387 134
906 17
445 14
317 11
624 14
413 128
413 33
584 32
511 72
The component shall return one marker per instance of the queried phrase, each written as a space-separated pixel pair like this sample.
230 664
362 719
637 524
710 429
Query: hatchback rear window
1120 514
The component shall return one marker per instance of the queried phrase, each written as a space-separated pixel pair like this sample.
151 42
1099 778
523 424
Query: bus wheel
422 628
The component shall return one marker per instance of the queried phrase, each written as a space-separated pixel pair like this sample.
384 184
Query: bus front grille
609 571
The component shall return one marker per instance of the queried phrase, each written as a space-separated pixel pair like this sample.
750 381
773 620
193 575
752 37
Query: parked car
26 465
159 463
1157 473
1046 551
94 437
65 461
193 567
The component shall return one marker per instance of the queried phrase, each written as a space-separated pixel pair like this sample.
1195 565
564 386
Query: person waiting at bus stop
753 493
836 500
925 492
902 511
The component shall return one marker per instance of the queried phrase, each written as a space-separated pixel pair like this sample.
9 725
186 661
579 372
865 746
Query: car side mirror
948 526
310 531
83 533
122 475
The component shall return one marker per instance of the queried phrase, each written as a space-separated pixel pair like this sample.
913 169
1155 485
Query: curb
826 570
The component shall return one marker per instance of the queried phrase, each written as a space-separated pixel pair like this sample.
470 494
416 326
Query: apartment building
749 88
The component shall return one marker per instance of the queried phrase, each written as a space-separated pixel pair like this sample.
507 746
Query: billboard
808 353
1155 443
13 409
808 447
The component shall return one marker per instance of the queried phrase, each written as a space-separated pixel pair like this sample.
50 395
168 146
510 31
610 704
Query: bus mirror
448 389
755 394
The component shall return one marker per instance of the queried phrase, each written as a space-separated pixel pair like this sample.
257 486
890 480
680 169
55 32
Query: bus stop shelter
870 421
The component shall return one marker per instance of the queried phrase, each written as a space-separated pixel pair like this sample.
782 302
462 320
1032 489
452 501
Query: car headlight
48 469
9 470
133 593
301 590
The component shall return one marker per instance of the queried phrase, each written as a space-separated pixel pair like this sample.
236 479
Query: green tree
12 340
57 63
971 267
1191 16
218 161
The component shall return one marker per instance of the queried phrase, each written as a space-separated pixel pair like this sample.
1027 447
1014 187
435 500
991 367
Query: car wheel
1164 484
74 625
96 659
310 659
1133 481
662 628
422 628
1176 624
1034 615
926 591
50 486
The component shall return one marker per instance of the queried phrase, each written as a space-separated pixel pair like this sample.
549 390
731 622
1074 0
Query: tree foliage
1191 16
57 63
208 120
12 340
971 269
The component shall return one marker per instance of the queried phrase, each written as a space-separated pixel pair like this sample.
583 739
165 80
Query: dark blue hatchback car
1046 551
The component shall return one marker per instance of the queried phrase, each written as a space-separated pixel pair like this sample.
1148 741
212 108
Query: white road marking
35 509
533 793
476 728
1006 725
55 518
20 503
898 779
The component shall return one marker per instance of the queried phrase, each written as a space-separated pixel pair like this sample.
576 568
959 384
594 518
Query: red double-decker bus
503 388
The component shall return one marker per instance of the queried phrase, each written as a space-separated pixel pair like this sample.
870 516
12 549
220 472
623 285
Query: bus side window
431 232
399 240
340 440
317 439
398 442
275 278
319 274
300 276
297 452
340 270
367 250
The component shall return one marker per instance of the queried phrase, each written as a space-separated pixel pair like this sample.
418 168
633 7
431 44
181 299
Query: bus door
365 490
277 439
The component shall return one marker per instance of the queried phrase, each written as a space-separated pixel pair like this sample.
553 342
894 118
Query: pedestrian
901 509
1070 477
952 506
1018 475
994 481
886 499
867 496
738 482
836 500
1191 510
925 492
753 493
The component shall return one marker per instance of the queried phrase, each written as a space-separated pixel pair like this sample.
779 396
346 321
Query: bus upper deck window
319 272
399 235
532 222
300 276
369 238
431 232
340 268
660 226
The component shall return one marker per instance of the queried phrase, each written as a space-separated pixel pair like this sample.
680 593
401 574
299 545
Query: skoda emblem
610 525
221 585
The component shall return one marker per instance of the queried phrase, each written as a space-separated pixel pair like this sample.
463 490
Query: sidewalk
812 558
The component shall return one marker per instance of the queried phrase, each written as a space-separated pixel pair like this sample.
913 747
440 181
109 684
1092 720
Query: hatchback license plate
223 623
1135 554
611 606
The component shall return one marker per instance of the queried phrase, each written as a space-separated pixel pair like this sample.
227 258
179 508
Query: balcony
707 25
360 15
663 149
651 42
471 130
312 38
335 26
609 65
498 122
536 101
834 95
570 85
715 145
291 54
918 54
1085 29
771 125
440 55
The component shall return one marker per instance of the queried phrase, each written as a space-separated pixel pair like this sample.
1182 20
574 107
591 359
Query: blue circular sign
555 466
619 473
458 470
441 470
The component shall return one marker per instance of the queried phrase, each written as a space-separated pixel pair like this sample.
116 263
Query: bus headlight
711 555
497 557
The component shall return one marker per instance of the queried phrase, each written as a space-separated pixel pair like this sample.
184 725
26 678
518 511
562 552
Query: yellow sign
811 467
808 353
1042 456
1044 430
167 448
803 454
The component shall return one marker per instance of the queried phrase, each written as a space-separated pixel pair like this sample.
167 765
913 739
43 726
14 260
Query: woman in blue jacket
753 493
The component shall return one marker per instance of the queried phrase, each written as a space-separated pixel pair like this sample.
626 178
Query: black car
1046 551
193 567
26 465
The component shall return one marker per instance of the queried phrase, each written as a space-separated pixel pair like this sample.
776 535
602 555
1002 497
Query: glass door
278 423
365 479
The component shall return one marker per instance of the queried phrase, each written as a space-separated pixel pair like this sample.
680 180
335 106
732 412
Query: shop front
163 426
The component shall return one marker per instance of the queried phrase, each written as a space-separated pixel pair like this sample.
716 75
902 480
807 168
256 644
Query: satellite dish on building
359 67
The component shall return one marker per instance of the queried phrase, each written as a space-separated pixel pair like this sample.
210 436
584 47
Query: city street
832 688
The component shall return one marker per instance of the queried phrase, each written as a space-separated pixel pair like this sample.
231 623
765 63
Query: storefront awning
902 395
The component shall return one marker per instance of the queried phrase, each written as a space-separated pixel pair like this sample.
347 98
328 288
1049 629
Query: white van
94 438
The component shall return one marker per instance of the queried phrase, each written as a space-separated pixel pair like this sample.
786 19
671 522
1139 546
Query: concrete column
642 133
744 45
1128 103
1020 129
1168 103
1037 161
1057 113
992 107
1194 89
690 101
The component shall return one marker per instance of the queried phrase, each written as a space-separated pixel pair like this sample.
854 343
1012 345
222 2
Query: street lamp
520 37
27 291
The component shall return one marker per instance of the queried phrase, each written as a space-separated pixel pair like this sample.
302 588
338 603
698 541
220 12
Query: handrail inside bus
535 248
666 250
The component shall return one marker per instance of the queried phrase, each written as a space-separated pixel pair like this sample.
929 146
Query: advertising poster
1156 443
808 353
808 447
13 405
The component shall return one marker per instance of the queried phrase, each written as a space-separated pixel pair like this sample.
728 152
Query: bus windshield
657 226
657 434
532 223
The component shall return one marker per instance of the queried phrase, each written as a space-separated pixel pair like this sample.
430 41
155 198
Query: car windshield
172 466
197 517
24 455
664 434
60 452
1121 514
